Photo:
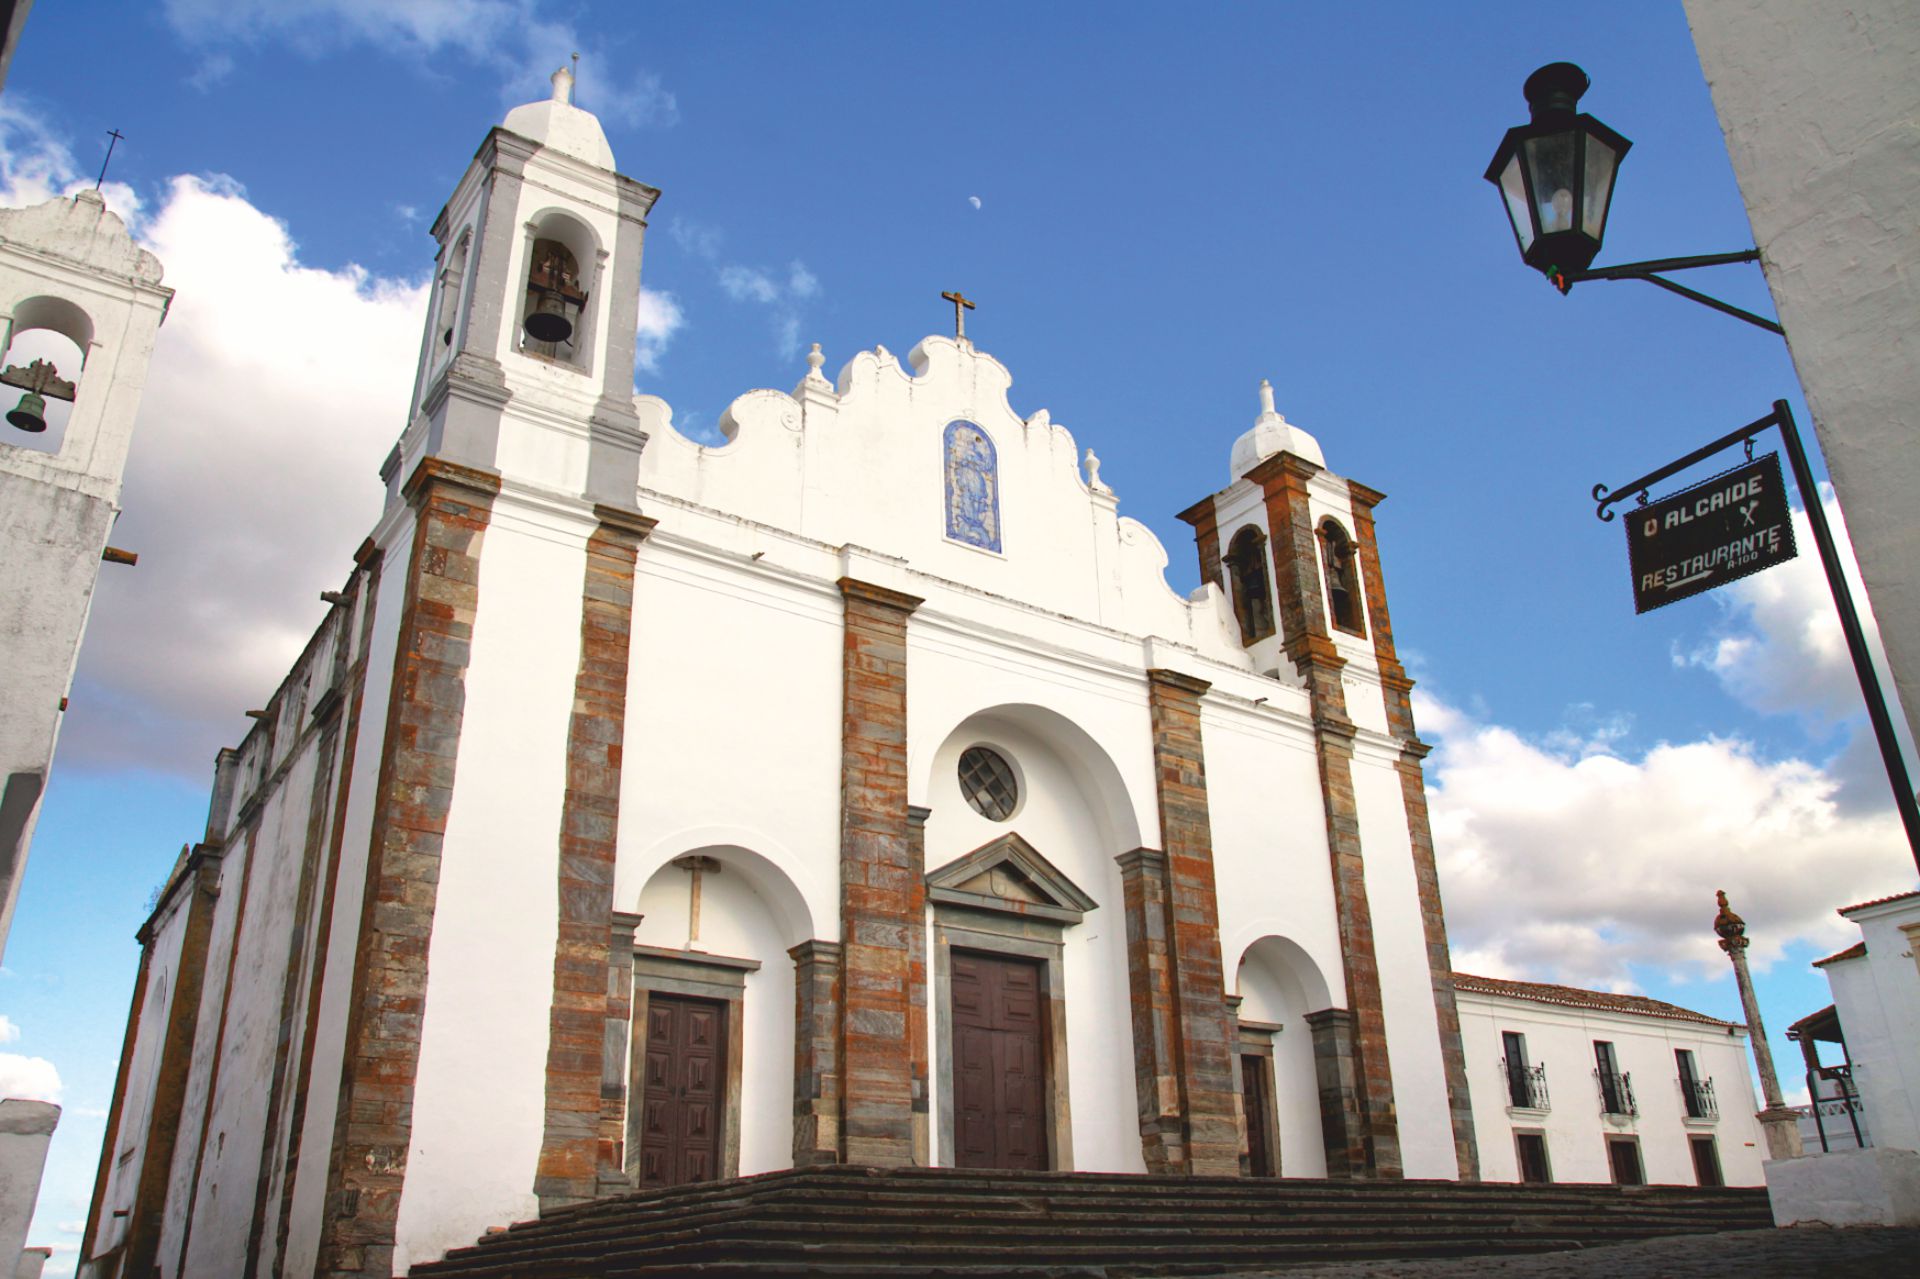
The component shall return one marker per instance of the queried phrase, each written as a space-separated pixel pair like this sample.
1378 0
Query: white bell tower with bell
526 366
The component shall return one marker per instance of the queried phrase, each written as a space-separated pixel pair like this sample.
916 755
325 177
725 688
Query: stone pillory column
879 885
570 1157
373 1125
816 1053
1204 1052
1397 689
1283 481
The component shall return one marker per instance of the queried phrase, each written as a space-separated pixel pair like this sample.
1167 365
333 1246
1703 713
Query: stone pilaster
373 1124
917 984
1397 690
200 879
1156 1066
110 1145
571 1159
1283 480
1205 1045
1338 1076
614 1069
879 886
816 1053
1205 519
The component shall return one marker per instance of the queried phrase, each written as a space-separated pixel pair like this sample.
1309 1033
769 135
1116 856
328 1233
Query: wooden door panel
683 1090
999 1063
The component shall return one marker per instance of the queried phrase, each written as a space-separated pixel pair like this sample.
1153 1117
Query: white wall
1562 1038
1878 999
1818 105
483 1037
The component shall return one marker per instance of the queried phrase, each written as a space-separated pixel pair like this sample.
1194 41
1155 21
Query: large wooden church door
999 1065
683 1086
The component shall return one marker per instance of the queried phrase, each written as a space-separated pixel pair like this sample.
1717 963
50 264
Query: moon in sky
974 200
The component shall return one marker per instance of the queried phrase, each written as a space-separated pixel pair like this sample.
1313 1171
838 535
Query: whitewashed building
854 791
1587 1086
1875 1017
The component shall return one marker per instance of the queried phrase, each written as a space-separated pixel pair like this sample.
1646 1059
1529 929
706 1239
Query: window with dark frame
1532 1150
1695 1093
1706 1161
1616 1088
1623 1158
987 782
1526 1083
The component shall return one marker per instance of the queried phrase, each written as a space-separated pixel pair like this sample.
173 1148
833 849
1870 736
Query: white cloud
514 38
1564 860
696 238
29 1078
9 1032
744 284
273 393
781 297
660 319
1778 648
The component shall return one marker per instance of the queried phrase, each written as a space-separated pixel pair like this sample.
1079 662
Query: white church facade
855 791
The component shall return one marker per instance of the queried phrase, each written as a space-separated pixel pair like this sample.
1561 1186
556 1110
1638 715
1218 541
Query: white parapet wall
26 1129
1873 1187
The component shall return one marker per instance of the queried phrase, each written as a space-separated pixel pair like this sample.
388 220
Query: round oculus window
987 781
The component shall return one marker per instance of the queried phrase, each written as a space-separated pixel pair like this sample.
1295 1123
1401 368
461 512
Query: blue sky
1154 208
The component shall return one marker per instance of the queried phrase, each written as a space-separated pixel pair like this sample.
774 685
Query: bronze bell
548 321
31 413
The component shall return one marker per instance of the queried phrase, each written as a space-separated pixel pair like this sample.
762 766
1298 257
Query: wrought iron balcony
1526 1085
1698 1094
1616 1092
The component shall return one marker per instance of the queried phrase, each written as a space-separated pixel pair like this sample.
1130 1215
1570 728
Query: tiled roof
1854 951
1878 901
1574 997
1827 1019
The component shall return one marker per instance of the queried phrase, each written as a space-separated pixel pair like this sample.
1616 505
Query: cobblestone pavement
1806 1253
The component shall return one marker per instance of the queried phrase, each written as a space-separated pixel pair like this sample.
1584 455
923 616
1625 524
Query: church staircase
850 1221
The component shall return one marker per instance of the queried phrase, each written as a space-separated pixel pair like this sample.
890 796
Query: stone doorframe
1005 899
659 970
1255 1039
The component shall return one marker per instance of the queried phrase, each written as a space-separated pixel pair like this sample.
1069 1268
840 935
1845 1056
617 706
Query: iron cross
960 308
114 136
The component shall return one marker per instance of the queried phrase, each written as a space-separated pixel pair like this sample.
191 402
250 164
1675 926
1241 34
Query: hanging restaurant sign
1706 536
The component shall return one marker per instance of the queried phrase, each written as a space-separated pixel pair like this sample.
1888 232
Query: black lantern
1556 175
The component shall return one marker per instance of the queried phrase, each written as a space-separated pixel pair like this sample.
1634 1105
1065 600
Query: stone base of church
1875 1187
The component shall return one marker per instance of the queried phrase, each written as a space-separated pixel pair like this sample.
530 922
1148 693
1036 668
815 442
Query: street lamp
1555 175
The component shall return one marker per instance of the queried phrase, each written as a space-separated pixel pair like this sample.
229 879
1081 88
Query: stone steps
858 1221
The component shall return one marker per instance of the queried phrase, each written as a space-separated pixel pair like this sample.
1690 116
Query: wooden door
682 1090
1256 1089
999 1063
1623 1153
1706 1161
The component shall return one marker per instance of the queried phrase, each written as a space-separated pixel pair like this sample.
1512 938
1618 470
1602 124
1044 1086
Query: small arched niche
48 340
1252 590
1345 608
453 279
1278 985
554 322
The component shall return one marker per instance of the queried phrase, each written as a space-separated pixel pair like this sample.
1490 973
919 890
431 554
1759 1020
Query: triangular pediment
1009 875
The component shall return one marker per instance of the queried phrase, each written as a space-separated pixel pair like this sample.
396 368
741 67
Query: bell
31 413
548 321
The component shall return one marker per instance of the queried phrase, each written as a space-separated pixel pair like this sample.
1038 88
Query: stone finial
563 86
1266 399
1093 473
1732 928
814 360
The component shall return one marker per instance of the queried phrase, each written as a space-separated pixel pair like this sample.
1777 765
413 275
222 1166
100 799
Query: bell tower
531 320
80 305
